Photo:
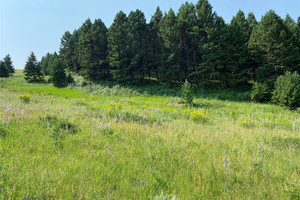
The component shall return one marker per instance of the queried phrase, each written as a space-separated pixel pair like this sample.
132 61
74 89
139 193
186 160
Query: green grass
70 144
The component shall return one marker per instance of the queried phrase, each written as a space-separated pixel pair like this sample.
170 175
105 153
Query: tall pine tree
137 42
205 30
92 49
155 42
168 30
4 73
57 72
238 50
273 42
9 65
187 21
32 69
45 64
68 50
118 48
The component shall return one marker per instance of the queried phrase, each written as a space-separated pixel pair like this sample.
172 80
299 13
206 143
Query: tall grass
70 144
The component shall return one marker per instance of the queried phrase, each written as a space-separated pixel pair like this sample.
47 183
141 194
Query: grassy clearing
69 144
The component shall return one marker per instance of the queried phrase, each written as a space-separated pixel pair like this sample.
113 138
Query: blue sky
37 25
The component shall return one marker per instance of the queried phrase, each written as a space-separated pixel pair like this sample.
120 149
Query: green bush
287 90
260 92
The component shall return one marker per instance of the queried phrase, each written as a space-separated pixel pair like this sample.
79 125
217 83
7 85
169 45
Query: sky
37 25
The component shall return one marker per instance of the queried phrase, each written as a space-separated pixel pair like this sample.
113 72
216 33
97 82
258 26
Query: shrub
287 90
187 96
25 98
260 92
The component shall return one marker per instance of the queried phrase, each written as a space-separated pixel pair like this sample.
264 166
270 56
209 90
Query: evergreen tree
187 20
68 50
4 72
137 42
294 28
45 64
187 96
32 69
155 43
118 47
92 49
168 30
238 50
272 40
251 21
57 72
84 48
287 90
65 50
9 65
205 29
215 60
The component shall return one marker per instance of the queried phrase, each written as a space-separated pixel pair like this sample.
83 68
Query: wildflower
196 115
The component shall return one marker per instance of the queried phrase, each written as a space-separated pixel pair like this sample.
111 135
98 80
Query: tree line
194 44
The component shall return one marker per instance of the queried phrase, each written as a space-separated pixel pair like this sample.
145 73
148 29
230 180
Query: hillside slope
66 144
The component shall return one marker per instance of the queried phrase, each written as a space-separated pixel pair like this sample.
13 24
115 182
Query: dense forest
194 44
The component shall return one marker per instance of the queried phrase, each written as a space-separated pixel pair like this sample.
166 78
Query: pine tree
272 40
65 50
251 21
118 56
9 65
187 20
215 60
45 64
99 65
155 43
187 96
4 72
92 49
137 42
84 48
68 50
169 33
57 72
32 69
287 90
238 50
205 29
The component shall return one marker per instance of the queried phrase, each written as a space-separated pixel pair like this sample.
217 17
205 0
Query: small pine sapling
187 96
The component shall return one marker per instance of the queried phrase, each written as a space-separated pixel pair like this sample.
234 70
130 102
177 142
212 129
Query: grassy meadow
72 144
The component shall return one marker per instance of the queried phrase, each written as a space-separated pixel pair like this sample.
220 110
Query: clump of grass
61 124
163 196
25 98
58 129
3 130
116 90
246 122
